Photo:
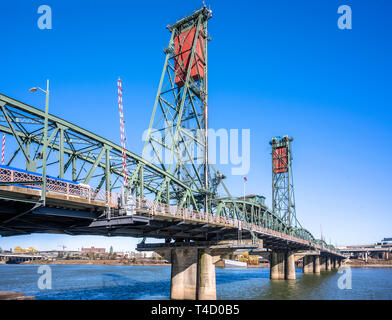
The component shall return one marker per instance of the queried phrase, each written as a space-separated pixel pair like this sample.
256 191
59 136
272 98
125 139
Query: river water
153 282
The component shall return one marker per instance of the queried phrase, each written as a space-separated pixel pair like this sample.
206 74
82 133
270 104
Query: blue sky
275 67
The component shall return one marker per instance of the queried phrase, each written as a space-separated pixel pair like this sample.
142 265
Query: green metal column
28 159
61 151
74 176
107 172
141 179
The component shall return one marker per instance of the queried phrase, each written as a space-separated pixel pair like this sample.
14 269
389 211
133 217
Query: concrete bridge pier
311 264
193 274
323 263
328 264
183 274
193 265
316 264
308 264
274 268
277 265
282 265
290 266
206 276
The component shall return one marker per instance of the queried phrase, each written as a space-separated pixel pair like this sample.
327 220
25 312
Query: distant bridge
18 258
365 252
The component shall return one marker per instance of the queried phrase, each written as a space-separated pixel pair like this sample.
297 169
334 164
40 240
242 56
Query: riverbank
14 295
371 263
96 262
113 263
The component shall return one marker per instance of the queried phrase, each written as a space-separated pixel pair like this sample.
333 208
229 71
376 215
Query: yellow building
21 250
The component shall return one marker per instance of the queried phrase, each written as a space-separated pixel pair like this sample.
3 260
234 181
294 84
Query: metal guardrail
57 186
157 208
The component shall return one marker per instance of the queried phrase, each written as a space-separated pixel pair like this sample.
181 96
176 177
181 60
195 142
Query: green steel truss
73 152
82 156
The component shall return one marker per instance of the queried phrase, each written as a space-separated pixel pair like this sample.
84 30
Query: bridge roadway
200 238
87 209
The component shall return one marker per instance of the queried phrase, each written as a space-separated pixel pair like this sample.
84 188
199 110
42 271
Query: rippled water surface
153 282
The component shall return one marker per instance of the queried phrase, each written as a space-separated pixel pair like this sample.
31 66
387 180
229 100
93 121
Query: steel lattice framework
283 201
73 152
177 135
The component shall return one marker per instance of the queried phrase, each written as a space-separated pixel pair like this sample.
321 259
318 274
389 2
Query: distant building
51 254
123 255
93 250
386 242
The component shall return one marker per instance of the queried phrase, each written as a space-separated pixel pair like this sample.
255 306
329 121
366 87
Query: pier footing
193 265
282 265
308 262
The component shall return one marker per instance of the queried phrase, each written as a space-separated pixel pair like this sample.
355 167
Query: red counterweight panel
280 160
183 46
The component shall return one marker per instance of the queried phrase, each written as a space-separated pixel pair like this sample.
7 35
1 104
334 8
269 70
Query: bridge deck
56 199
75 209
58 190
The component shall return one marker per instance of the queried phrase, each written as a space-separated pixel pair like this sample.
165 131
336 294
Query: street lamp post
43 194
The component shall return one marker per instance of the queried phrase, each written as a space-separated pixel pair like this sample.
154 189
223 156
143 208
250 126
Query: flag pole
122 131
244 190
3 149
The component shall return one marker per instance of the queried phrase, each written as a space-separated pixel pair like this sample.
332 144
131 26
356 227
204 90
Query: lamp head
33 89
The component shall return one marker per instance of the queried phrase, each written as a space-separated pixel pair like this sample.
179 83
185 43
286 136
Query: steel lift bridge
172 192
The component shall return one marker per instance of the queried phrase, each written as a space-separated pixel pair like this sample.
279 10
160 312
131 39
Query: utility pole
44 148
45 144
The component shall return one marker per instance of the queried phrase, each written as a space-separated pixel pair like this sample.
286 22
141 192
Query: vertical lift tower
177 136
283 202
